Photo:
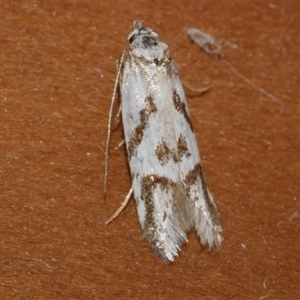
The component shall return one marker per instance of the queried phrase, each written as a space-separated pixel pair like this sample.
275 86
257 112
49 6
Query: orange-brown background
57 63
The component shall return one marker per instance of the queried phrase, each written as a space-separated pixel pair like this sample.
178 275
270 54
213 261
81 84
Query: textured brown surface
57 72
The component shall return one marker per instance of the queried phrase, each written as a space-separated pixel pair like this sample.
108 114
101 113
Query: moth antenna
110 118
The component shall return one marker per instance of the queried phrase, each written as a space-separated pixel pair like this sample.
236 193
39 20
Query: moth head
139 30
145 44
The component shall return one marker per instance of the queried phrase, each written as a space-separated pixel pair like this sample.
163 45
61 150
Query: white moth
167 179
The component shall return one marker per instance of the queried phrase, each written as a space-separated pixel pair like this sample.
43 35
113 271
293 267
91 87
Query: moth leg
122 206
118 114
120 144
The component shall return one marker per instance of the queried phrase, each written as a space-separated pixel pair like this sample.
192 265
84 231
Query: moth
168 184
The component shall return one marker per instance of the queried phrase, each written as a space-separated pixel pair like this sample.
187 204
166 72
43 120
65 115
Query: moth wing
204 212
151 146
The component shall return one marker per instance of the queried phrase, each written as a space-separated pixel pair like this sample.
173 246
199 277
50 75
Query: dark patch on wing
181 107
191 178
148 184
182 147
164 153
139 130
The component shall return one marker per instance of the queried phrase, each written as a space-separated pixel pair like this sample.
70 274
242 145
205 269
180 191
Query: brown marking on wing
181 107
139 130
168 64
190 179
164 153
149 183
182 147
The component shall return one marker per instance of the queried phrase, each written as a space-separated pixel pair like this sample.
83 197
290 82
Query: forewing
152 152
204 214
